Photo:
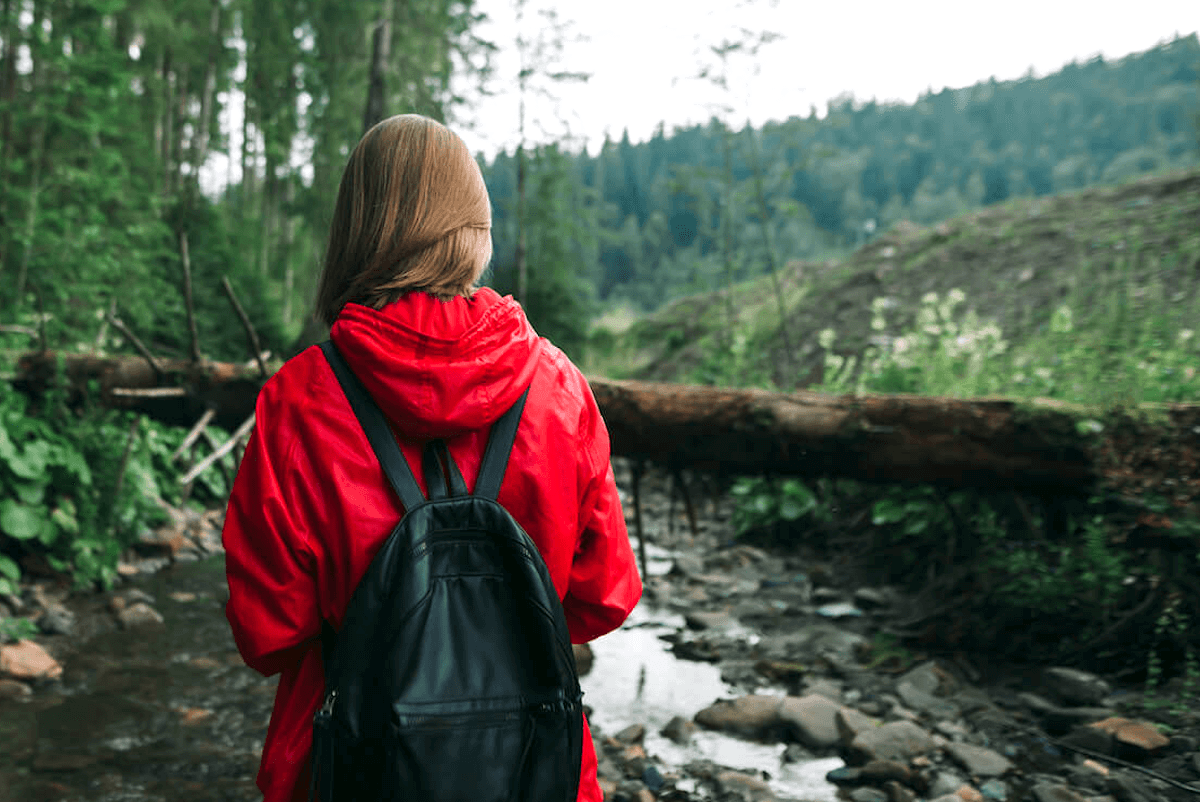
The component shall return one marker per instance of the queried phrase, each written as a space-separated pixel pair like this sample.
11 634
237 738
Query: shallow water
170 713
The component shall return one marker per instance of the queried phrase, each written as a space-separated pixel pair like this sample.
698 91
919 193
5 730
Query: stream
170 712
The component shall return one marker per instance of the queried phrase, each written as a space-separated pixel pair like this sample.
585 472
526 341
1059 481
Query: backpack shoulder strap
380 435
499 448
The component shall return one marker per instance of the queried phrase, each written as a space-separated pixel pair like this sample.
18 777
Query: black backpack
452 678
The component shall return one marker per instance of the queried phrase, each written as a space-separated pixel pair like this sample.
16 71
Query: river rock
633 734
1139 738
994 790
880 771
1076 688
851 722
57 620
11 689
679 730
687 565
925 702
896 740
747 786
868 795
979 761
1091 738
812 720
930 678
754 716
702 620
945 783
1052 792
138 614
26 660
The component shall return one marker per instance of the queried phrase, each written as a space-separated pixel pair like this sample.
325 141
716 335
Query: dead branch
186 262
138 345
149 392
225 448
251 334
194 433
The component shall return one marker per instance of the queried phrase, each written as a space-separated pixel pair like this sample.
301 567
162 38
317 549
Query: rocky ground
803 648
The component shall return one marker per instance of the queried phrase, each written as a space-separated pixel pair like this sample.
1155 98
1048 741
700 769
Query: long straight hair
412 215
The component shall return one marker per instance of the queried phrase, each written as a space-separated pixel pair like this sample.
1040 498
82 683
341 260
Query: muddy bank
746 674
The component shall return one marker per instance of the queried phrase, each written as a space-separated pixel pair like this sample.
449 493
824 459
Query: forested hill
1091 296
683 212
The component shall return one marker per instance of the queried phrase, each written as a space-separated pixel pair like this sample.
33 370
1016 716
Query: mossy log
993 443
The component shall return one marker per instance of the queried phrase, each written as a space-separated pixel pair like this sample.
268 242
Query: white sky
641 54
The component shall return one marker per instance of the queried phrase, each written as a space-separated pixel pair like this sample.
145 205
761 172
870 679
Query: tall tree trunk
168 120
200 143
285 255
37 159
8 96
381 48
519 265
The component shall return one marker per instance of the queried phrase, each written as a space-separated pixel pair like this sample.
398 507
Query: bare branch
251 335
149 392
225 448
186 262
138 345
192 435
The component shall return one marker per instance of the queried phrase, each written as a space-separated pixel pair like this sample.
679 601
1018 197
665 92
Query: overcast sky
643 55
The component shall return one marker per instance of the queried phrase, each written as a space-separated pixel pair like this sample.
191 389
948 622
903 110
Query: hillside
1120 255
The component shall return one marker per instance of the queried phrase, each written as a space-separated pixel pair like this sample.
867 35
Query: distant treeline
683 212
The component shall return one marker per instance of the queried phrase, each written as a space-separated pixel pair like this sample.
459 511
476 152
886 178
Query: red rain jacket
310 505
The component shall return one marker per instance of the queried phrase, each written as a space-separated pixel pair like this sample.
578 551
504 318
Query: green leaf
9 568
31 464
8 586
886 511
20 521
31 492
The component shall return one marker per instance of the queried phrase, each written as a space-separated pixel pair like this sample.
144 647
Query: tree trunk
519 266
381 46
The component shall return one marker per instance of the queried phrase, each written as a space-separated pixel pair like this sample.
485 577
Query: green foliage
947 352
763 503
77 486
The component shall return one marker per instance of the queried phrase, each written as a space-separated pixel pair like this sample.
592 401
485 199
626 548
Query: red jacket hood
439 368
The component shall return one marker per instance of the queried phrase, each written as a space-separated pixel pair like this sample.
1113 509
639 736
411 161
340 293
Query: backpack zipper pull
327 706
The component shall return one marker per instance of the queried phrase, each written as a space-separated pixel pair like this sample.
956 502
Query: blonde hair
412 214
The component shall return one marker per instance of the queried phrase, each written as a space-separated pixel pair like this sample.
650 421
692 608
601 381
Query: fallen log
999 443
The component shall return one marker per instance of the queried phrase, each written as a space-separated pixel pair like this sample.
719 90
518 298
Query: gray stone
811 719
946 783
880 771
709 620
679 730
633 734
746 786
57 620
1050 792
839 610
851 722
995 790
979 761
928 677
825 687
12 689
870 597
1076 688
1128 787
138 614
754 716
868 795
897 740
925 702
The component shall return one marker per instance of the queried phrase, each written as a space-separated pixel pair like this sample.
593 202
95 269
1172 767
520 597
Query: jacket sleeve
604 586
272 607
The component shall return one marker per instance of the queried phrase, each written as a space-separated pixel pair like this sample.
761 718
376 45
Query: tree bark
381 45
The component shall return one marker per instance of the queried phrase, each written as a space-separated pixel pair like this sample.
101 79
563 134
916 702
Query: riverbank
745 674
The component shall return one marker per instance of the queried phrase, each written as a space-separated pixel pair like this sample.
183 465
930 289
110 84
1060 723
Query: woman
410 238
